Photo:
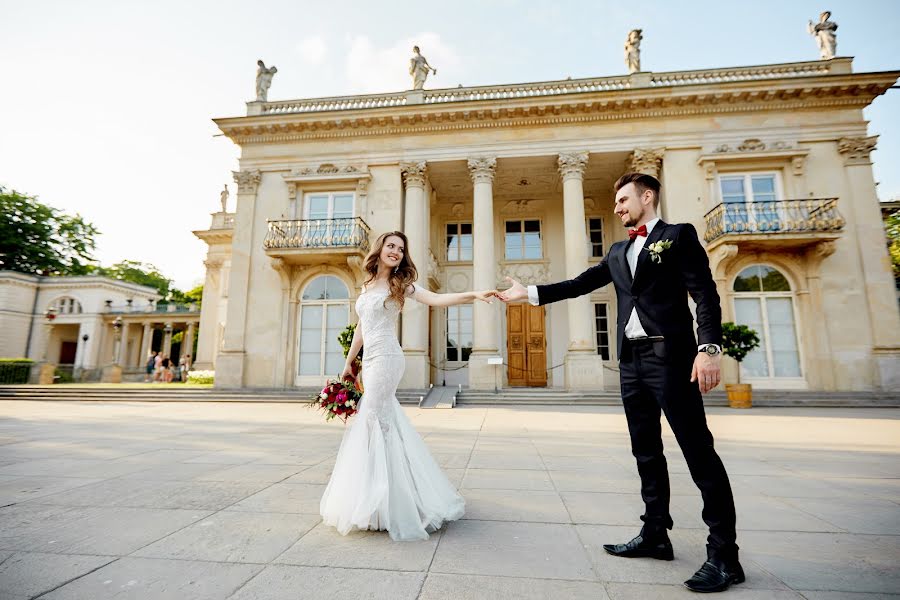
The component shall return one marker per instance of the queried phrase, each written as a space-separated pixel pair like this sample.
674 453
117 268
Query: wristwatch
710 349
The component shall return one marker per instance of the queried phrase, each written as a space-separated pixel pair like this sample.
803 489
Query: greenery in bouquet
338 399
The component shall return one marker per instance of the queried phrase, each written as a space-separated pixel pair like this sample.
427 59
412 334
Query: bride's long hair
401 277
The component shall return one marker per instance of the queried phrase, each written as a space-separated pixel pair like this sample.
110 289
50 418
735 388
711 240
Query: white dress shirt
633 328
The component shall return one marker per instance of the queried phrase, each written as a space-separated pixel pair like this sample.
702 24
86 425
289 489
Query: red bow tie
633 233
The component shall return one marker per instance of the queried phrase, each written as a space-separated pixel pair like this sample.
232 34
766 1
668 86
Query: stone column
865 225
414 328
188 345
167 341
584 367
485 341
146 340
230 362
209 314
122 358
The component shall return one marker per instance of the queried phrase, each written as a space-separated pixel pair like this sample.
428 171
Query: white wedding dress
384 477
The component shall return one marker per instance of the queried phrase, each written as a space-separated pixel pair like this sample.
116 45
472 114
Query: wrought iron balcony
317 235
801 220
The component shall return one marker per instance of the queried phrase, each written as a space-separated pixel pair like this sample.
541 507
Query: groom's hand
516 293
706 371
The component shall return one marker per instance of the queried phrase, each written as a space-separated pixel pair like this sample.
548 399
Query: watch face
711 350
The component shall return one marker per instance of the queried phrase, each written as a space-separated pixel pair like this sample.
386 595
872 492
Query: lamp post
112 373
84 341
117 326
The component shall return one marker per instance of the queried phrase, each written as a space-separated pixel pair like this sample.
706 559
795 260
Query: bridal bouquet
338 399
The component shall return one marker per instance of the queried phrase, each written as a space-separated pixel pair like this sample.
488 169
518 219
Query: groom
662 369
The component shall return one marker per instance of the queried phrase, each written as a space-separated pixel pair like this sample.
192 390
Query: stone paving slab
156 579
220 500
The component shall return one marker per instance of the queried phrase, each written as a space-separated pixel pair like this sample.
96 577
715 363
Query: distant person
157 367
151 366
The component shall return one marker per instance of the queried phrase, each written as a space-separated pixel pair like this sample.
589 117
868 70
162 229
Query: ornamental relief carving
247 180
856 150
572 164
526 273
522 207
646 160
414 173
482 170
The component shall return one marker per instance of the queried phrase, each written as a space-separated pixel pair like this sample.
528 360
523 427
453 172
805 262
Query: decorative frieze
572 165
482 169
646 160
526 273
414 173
856 150
247 180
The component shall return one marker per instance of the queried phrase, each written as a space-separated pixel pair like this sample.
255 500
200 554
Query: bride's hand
347 373
485 295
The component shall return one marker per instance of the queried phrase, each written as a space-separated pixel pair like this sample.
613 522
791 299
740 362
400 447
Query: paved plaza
220 500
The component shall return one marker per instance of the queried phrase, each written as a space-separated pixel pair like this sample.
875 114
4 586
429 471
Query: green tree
137 272
41 240
892 226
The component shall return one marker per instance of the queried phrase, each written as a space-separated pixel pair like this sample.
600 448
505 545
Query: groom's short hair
642 182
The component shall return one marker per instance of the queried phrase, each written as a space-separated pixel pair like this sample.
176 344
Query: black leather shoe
715 576
640 547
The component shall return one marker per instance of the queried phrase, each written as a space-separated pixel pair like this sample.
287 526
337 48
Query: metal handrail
350 232
773 217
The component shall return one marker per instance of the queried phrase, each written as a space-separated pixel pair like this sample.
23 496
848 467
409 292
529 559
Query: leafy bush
201 377
15 370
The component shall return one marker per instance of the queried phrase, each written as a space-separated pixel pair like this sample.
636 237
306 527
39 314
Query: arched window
67 306
764 302
324 313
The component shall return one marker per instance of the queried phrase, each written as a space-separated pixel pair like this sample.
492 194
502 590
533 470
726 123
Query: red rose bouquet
338 399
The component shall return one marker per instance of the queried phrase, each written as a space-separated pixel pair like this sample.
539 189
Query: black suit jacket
659 291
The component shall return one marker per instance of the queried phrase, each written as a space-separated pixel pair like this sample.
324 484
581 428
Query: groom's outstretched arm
595 277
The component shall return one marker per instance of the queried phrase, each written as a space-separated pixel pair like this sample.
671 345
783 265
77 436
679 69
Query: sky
106 107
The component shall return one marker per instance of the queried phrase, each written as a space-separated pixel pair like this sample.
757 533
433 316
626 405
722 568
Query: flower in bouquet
338 399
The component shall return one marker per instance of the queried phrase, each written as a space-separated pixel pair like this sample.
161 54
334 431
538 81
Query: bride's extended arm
433 299
355 345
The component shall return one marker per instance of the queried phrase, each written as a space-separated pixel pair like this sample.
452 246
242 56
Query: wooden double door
526 345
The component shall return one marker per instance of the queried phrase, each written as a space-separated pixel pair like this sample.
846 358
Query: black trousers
652 384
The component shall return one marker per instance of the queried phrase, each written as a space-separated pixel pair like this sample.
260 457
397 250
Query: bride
384 478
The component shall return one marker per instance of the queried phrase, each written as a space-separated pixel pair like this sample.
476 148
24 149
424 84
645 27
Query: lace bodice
378 320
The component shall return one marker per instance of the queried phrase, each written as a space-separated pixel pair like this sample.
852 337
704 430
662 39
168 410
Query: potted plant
737 342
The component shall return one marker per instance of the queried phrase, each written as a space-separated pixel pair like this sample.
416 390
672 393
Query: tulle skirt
384 477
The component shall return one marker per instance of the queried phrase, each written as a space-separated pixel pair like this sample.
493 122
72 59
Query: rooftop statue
825 33
264 80
223 198
633 51
418 68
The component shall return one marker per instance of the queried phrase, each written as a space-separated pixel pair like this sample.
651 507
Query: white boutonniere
657 248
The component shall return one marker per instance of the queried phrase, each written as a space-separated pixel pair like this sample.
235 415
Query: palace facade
770 163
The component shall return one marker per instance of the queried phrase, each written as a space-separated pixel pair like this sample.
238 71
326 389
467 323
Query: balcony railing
774 217
151 308
318 233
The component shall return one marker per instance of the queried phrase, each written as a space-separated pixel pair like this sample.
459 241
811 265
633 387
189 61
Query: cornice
806 93
215 236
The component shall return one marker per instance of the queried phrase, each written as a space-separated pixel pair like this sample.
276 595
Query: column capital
856 150
645 160
414 174
247 180
482 169
572 165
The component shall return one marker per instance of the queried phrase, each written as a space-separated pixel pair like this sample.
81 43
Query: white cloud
313 49
372 70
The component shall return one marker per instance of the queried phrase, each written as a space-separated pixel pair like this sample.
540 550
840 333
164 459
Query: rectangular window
459 242
459 332
751 202
595 237
523 240
601 329
329 218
